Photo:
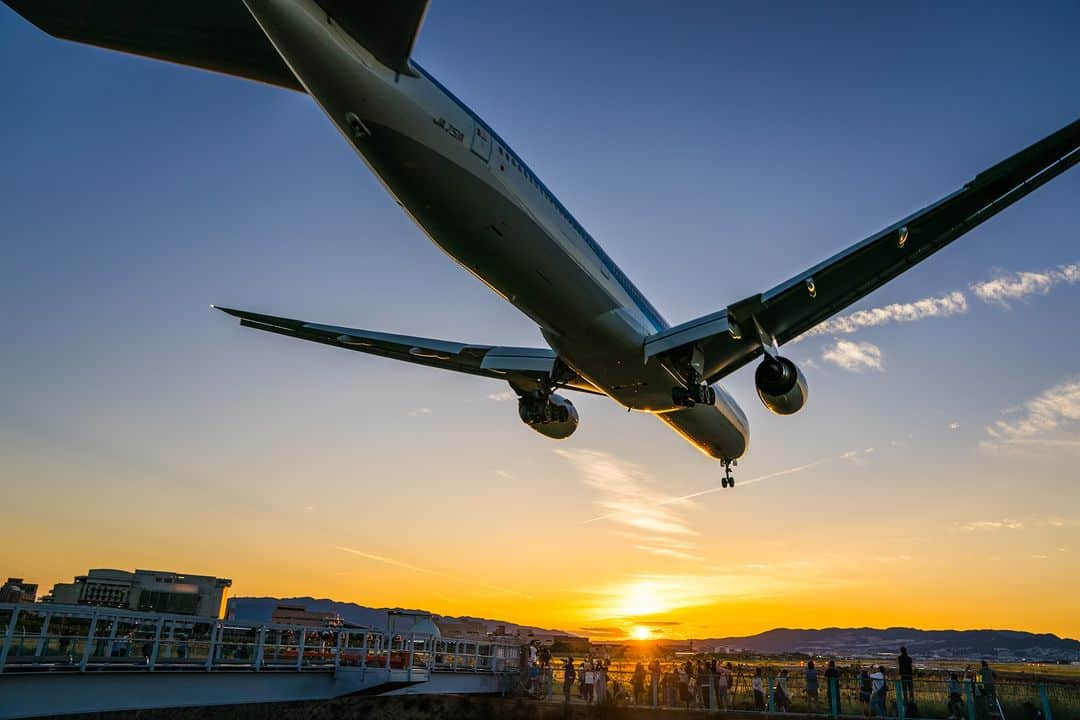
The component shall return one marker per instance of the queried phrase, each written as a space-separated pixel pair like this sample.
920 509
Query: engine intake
780 385
553 416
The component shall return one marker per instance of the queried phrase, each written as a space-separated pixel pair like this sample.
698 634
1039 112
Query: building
299 615
462 628
151 590
17 591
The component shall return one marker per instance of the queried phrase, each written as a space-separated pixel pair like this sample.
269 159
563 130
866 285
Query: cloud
953 303
954 426
1048 412
1003 524
627 493
1020 285
853 356
420 411
669 553
1040 557
502 396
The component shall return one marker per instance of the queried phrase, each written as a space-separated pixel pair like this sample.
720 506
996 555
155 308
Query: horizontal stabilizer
524 368
218 35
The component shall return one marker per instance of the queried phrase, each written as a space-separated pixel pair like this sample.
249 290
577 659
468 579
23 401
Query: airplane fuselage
476 199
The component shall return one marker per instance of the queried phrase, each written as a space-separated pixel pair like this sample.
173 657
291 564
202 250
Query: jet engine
551 415
780 385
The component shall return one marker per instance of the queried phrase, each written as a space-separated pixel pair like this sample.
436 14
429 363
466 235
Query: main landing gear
694 393
728 481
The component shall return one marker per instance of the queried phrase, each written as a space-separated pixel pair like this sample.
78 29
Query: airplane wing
732 337
524 368
220 35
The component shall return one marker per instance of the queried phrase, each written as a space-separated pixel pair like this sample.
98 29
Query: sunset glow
930 481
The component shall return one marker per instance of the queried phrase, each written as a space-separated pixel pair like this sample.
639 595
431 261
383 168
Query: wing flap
218 35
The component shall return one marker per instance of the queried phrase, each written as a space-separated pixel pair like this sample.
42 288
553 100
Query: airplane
478 200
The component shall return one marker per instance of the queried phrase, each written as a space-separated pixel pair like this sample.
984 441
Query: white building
165 592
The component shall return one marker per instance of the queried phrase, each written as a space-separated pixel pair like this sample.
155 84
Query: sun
640 632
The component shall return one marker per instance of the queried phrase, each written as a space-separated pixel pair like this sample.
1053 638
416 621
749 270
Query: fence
43 638
929 696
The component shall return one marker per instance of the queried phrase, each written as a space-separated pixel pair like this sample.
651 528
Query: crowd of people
710 683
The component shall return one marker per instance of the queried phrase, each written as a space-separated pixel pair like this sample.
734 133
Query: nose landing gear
728 481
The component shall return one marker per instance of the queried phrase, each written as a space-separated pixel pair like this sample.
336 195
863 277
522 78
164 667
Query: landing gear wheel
727 481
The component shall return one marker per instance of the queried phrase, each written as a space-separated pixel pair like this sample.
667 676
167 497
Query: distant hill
872 642
259 610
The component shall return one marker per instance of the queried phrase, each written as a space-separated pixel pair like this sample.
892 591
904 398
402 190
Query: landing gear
695 392
728 481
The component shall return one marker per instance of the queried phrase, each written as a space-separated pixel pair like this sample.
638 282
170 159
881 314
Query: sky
713 152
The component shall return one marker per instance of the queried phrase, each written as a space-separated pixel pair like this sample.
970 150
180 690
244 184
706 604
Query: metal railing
65 638
930 696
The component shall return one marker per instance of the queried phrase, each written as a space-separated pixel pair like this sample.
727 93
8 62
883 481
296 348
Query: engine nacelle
553 416
780 385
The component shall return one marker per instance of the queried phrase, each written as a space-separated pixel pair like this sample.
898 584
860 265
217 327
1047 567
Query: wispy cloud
718 488
1020 285
953 303
854 356
1003 524
420 411
670 553
627 493
954 426
1050 411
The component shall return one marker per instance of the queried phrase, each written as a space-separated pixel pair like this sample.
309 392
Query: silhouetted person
568 678
782 695
655 678
866 686
956 701
832 680
637 681
877 695
759 690
811 686
907 676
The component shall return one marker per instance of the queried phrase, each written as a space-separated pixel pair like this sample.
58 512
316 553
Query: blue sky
713 152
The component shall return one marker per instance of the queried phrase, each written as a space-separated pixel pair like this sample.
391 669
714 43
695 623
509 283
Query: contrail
426 571
718 488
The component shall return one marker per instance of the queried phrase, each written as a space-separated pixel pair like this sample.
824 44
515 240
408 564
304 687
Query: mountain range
863 642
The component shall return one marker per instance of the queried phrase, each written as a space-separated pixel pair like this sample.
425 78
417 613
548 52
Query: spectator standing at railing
704 679
956 698
877 695
907 676
568 679
655 678
600 687
832 680
669 683
758 685
866 686
588 677
811 686
782 695
723 685
637 682
986 682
